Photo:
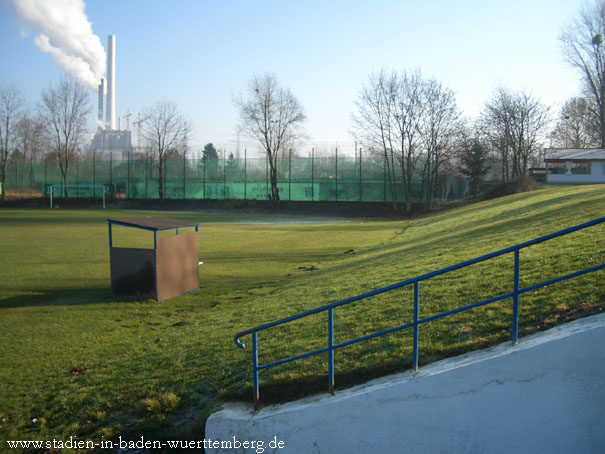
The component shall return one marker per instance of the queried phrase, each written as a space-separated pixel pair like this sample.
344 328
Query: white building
575 166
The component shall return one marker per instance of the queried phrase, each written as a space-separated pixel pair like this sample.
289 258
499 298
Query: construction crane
138 123
127 116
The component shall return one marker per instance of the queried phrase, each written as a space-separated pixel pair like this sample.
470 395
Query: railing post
331 352
516 299
255 368
416 317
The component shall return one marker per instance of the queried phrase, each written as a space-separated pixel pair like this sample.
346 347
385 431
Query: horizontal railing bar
372 336
294 358
465 308
420 278
562 278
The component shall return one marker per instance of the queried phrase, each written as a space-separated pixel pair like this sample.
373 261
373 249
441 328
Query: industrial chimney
111 83
101 100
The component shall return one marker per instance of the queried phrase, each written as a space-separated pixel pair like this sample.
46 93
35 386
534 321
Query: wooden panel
177 262
132 273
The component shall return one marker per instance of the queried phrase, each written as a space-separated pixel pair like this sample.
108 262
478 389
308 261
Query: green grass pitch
77 363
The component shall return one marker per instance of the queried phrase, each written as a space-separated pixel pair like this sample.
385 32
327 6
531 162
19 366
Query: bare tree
166 133
515 124
440 128
582 45
577 126
373 121
273 116
11 104
408 113
494 123
30 136
412 121
63 111
388 117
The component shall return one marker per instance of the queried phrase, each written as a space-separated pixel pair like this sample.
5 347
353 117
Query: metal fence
515 292
337 178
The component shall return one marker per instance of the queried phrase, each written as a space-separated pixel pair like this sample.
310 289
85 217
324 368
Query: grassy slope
141 371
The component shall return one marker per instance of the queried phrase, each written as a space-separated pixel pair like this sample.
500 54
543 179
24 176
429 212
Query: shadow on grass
72 297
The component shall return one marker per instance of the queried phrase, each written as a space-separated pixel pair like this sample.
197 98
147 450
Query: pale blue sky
201 54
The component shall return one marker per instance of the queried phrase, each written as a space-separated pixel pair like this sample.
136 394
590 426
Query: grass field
83 365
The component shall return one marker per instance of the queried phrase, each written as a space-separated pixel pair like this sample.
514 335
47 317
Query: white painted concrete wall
544 395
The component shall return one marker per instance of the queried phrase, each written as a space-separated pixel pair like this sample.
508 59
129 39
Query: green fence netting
346 179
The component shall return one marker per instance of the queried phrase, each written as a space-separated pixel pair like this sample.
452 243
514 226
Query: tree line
411 120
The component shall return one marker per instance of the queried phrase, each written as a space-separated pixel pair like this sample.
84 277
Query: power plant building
110 143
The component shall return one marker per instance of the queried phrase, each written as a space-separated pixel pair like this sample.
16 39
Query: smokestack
111 84
101 99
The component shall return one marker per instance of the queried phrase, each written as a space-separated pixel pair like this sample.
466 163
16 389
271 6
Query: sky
201 54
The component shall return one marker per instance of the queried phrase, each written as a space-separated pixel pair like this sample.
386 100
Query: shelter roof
153 223
573 154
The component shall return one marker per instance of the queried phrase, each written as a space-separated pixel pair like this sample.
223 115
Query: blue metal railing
416 318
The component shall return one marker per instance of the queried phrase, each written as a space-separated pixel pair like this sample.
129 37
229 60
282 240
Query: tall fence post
245 174
128 182
111 171
204 162
384 173
312 174
290 175
336 171
360 190
31 175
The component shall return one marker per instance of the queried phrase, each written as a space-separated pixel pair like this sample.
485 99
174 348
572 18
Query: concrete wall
546 394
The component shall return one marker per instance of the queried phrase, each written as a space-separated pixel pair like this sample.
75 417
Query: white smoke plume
62 29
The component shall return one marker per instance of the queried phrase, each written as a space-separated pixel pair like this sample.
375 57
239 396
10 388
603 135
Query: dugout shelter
171 268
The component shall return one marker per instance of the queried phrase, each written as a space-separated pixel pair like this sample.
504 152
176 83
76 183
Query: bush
522 184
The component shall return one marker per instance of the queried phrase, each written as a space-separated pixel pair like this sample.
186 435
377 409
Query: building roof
574 154
153 223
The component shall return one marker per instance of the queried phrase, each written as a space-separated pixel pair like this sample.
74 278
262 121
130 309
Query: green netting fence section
346 179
